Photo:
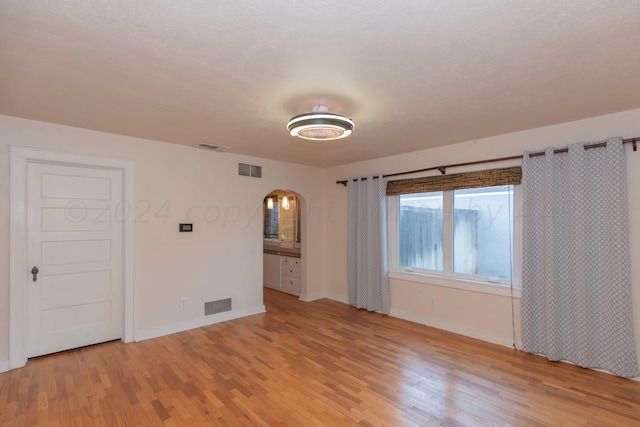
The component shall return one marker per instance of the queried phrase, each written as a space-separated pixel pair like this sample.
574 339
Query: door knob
35 272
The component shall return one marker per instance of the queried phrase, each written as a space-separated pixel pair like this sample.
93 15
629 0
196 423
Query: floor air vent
213 307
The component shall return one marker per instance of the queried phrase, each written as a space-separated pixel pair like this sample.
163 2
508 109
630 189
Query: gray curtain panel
576 286
368 281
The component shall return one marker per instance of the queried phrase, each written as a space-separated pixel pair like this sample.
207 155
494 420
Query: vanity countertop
281 252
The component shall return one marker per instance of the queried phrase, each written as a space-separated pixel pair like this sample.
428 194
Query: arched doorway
283 237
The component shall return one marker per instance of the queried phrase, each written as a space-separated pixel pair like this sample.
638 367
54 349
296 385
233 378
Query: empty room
319 213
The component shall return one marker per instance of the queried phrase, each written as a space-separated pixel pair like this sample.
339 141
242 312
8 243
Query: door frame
20 157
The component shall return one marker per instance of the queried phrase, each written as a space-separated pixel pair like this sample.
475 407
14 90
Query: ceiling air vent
214 147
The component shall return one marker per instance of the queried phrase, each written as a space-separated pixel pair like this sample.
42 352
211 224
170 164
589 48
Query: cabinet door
271 270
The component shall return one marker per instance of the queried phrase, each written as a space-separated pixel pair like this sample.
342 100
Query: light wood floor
311 364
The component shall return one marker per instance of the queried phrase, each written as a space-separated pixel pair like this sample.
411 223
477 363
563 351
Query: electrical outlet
183 302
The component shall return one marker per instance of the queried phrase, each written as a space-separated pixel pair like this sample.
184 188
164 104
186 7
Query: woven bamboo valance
486 178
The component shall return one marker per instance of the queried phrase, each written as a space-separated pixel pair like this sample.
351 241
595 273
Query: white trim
457 283
439 324
173 328
337 297
305 297
20 157
604 371
454 328
4 366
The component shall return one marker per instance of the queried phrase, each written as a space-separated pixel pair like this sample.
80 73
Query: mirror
282 219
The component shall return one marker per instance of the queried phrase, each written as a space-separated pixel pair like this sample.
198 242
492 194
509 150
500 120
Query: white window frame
448 278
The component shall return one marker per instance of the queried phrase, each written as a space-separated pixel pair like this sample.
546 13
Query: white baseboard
604 371
4 366
439 324
337 297
311 297
197 323
456 329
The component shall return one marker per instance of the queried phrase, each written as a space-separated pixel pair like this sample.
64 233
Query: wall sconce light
270 203
285 203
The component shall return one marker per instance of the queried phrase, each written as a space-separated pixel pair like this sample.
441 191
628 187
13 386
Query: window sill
457 283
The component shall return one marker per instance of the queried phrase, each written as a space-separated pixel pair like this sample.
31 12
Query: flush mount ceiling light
320 125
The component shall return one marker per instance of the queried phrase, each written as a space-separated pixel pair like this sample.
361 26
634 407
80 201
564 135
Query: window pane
482 230
420 231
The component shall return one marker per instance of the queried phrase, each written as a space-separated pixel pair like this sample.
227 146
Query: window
460 234
482 232
420 231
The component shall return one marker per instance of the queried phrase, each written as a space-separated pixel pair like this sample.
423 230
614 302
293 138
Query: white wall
223 256
479 315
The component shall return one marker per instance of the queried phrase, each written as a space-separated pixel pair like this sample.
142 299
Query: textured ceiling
411 74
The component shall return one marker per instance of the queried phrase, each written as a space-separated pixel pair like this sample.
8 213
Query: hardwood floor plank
321 363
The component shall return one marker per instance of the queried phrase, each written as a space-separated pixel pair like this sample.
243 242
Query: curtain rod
443 169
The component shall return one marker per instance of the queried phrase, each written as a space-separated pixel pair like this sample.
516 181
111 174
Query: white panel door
74 239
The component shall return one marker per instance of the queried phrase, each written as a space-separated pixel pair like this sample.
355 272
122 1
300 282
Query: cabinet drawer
291 285
288 261
291 271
